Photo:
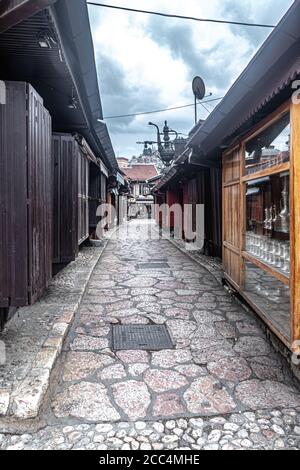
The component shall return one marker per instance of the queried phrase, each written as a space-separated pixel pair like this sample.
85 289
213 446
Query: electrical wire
161 110
192 18
206 109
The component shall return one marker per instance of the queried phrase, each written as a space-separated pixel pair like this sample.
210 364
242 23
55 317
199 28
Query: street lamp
166 148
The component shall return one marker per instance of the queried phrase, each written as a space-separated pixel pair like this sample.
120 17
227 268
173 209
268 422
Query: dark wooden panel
94 195
25 196
65 158
56 216
13 197
83 197
40 196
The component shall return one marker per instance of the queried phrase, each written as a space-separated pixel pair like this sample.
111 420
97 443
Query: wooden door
232 217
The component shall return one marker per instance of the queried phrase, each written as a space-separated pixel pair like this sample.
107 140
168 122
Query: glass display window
270 295
268 221
269 148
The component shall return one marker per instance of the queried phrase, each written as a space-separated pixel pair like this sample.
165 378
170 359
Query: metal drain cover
153 266
141 337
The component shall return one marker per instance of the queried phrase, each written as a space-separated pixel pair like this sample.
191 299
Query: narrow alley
223 387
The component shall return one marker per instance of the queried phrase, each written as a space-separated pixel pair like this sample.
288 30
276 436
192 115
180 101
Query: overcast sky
146 63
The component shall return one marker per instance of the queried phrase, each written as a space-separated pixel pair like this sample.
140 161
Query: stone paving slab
222 387
222 363
34 338
262 430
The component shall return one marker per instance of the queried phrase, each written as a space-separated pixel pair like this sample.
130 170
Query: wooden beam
13 12
295 218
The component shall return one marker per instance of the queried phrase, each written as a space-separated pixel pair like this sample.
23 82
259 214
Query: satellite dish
199 89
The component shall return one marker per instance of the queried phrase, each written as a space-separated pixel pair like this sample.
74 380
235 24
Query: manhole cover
145 337
153 266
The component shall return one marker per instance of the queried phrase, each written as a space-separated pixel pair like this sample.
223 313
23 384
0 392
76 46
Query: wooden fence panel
25 196
65 160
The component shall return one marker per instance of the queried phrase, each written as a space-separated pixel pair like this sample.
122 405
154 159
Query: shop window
271 296
268 221
269 148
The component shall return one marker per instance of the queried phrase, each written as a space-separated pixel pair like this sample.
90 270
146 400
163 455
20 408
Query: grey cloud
119 97
265 14
179 40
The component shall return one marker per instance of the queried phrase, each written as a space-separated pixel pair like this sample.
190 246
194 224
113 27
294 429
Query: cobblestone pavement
223 387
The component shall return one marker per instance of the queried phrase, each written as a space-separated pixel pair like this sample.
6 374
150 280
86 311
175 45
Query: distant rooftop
140 172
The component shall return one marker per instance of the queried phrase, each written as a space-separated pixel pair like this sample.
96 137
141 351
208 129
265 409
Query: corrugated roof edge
210 134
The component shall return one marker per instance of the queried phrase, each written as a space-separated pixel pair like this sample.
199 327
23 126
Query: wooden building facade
51 136
188 186
25 196
254 135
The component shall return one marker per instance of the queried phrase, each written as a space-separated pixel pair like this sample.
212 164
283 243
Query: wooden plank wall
95 195
39 194
83 197
65 160
13 198
25 196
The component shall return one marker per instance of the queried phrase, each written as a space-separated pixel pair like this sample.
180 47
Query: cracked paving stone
149 308
206 396
209 350
113 372
157 319
125 313
170 358
119 306
168 404
133 398
207 317
266 368
140 281
205 331
164 380
249 328
88 401
191 370
144 291
248 346
265 395
232 369
89 343
185 306
135 320
181 329
130 357
225 330
177 313
137 370
80 365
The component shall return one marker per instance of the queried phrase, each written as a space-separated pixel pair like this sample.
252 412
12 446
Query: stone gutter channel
34 338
